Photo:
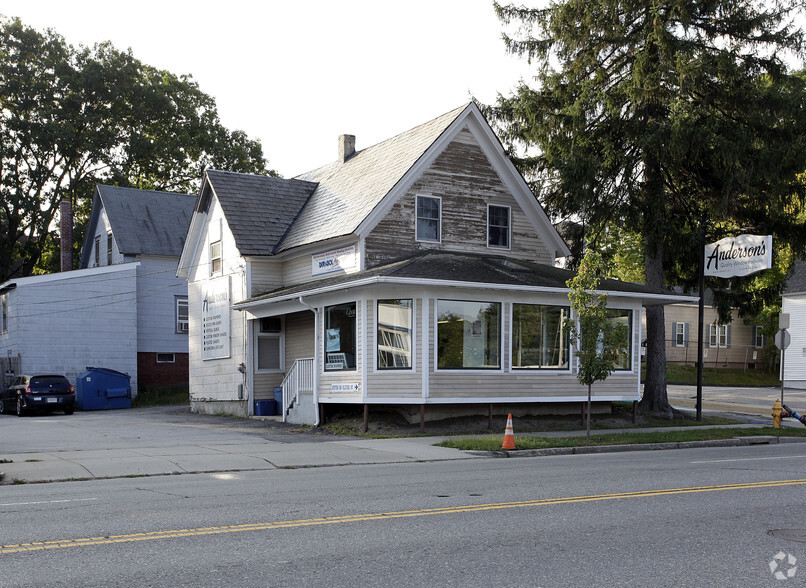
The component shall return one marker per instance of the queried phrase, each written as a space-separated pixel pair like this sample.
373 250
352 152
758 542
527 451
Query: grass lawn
537 442
165 396
678 374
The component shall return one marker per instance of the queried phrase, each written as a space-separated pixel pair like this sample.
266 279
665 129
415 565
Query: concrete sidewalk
53 466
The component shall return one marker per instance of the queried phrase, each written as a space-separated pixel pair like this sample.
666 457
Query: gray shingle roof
147 222
259 209
796 282
348 191
490 270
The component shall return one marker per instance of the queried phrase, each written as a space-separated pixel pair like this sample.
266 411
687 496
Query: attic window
429 213
215 257
498 226
109 249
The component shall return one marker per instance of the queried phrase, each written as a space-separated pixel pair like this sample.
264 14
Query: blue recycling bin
278 399
102 388
264 408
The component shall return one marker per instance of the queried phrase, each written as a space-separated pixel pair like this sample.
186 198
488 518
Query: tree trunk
655 400
588 429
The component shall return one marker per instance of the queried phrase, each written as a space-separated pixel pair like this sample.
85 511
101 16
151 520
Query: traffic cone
509 436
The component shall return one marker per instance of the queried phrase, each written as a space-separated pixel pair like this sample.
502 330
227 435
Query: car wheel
20 409
69 410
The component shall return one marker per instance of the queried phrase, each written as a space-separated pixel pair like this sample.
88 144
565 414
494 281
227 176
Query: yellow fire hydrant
777 409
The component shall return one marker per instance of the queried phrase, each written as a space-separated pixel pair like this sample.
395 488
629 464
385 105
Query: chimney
346 147
66 238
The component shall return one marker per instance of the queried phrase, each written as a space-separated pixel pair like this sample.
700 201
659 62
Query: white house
125 309
794 303
414 273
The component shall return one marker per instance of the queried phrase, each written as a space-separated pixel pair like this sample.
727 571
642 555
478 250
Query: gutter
657 298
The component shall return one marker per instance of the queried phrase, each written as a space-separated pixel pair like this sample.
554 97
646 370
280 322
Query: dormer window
429 219
498 226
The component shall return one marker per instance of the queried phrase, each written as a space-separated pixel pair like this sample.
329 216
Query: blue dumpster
264 407
102 388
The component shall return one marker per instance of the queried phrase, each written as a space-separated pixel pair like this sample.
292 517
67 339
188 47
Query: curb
734 442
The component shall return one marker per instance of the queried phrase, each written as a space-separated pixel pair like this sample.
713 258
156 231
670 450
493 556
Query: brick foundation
151 373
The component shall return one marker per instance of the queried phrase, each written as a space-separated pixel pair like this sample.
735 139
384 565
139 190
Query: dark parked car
46 393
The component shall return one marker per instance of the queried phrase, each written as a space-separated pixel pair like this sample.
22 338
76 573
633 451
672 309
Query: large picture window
623 361
394 334
539 337
340 340
468 335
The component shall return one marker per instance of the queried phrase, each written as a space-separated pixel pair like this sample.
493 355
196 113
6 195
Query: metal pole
783 353
701 318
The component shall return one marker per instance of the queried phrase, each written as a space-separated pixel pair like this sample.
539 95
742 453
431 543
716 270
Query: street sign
782 339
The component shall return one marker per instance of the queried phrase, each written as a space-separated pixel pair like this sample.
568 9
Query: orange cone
509 436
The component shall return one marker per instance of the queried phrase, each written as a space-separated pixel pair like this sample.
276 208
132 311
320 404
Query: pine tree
665 117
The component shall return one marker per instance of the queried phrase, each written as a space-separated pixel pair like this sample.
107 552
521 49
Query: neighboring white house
417 272
125 309
794 303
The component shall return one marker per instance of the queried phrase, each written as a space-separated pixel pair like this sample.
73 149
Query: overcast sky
297 74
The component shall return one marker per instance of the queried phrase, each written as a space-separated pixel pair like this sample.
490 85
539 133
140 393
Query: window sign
215 319
336 260
340 337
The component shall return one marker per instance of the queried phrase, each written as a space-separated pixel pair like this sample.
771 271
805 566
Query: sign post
782 341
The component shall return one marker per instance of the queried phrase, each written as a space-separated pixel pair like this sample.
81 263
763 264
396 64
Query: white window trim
177 322
110 248
417 218
508 247
359 343
413 352
501 363
97 250
532 370
280 336
172 360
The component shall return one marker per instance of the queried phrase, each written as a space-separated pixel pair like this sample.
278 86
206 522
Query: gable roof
144 222
796 282
348 191
258 209
451 268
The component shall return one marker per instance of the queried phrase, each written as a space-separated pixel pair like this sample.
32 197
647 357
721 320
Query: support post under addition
366 418
422 418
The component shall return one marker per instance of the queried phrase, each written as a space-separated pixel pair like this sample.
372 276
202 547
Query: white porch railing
298 379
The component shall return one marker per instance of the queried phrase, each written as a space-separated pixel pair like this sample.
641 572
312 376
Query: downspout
315 312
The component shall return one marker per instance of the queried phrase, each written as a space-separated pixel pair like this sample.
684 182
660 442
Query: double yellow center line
89 541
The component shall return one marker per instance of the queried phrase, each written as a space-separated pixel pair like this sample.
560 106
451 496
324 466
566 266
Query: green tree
73 117
598 341
661 117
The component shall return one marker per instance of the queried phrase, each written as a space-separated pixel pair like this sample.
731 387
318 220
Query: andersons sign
738 256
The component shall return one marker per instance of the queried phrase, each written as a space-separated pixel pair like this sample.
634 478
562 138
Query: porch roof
445 268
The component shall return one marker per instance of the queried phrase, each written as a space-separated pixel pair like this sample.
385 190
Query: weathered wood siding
466 182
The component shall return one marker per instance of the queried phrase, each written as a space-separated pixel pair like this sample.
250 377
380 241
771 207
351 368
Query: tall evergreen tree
72 117
666 117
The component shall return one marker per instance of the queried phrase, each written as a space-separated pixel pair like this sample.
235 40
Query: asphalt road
698 517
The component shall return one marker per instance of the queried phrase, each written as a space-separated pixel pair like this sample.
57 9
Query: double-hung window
181 314
680 335
97 251
429 219
498 221
718 335
215 257
109 249
759 340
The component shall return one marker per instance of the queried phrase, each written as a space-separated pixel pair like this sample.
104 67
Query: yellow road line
88 541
